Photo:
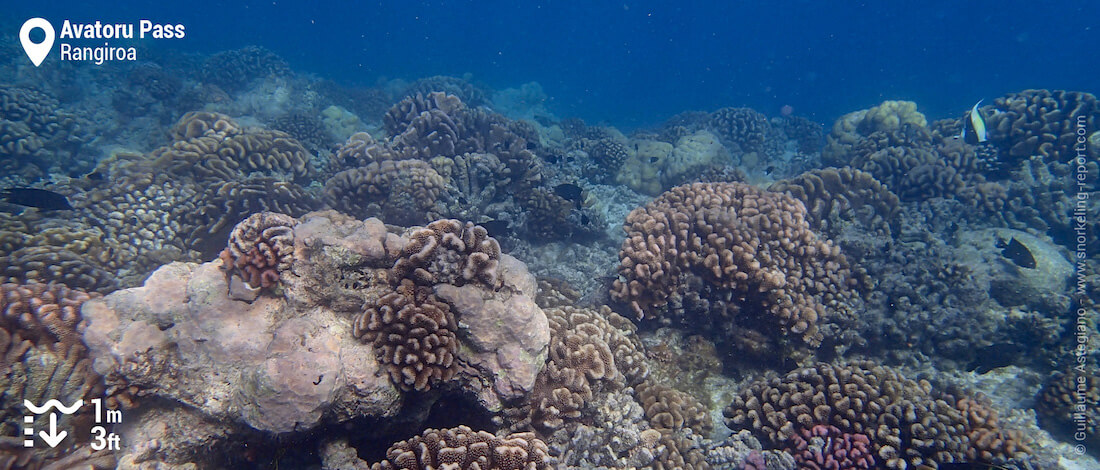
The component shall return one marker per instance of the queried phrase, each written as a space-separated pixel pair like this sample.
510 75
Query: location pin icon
37 52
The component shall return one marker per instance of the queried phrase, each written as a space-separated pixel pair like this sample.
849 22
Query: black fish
994 357
495 228
1017 253
38 198
569 191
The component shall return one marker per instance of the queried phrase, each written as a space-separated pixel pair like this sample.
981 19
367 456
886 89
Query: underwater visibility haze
549 235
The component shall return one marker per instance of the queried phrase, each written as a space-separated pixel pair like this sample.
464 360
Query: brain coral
908 422
753 244
450 252
413 334
225 151
463 448
261 248
402 192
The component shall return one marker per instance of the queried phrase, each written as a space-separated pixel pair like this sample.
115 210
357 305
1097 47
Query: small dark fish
995 356
769 170
654 159
38 198
495 227
1017 253
552 158
569 191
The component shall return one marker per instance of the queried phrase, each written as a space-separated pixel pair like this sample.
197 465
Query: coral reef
753 245
745 129
413 334
233 70
909 423
1041 123
450 252
463 448
43 358
827 447
837 196
226 152
400 192
38 134
261 248
591 351
891 121
1071 401
669 409
291 362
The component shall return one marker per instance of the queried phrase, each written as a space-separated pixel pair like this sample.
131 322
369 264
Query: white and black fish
973 126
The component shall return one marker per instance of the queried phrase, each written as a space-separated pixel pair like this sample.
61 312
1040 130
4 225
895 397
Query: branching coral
463 448
261 248
752 244
669 409
908 422
824 447
413 334
590 351
450 252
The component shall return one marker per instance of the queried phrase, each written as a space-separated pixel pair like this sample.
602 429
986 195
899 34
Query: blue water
635 63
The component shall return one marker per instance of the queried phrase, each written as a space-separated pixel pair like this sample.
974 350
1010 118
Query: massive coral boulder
290 360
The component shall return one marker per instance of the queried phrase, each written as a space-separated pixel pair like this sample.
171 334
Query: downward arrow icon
53 438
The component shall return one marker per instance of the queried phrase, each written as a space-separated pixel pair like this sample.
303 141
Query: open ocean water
505 235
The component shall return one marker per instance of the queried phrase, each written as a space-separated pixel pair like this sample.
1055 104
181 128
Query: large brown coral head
413 334
261 248
450 252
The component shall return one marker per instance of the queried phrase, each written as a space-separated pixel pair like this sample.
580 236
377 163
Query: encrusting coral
754 245
908 422
462 448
